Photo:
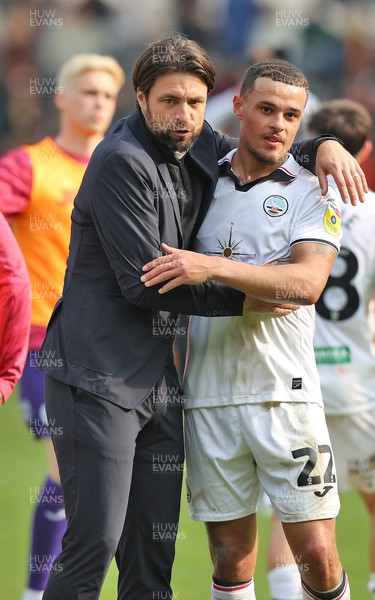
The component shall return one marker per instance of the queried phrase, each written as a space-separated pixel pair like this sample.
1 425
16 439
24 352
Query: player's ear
238 106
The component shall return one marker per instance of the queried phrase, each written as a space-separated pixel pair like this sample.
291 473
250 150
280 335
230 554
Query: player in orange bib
38 184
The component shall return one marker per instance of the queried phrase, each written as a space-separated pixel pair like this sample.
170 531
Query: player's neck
75 143
248 167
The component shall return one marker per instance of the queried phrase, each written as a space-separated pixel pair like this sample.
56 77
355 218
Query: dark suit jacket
109 334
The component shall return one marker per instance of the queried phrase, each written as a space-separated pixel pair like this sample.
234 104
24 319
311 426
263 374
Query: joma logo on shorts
326 489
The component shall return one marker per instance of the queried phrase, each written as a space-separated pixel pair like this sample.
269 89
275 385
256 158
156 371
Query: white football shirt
258 357
344 330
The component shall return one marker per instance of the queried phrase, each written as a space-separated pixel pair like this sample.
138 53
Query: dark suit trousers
121 473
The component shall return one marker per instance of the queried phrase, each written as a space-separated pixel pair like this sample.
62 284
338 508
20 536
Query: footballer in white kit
254 411
344 351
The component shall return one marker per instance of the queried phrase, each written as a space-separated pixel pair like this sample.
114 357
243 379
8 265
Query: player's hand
178 267
333 159
261 306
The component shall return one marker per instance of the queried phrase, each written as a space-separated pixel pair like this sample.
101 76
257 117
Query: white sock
371 585
285 583
244 591
32 594
342 591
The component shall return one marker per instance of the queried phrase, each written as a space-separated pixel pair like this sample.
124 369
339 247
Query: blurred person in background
15 310
37 187
343 349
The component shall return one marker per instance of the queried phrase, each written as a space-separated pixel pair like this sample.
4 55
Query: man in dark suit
112 397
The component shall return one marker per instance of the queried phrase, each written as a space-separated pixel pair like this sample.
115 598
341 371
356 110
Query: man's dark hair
176 54
275 69
346 119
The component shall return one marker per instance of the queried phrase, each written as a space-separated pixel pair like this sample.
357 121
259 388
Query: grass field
22 468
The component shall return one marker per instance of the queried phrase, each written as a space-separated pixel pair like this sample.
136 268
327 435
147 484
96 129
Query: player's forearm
282 283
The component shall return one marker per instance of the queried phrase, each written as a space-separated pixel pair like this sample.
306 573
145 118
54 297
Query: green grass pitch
22 468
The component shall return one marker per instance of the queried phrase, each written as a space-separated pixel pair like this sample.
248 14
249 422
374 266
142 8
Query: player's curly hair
175 54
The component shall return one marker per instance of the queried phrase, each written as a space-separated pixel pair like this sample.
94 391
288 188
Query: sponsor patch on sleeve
332 219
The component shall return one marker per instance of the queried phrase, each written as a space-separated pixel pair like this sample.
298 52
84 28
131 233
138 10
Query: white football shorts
231 450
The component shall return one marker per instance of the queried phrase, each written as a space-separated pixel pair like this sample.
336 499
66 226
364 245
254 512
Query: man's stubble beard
164 137
265 158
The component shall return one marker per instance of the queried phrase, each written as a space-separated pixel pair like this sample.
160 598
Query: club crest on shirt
332 219
275 206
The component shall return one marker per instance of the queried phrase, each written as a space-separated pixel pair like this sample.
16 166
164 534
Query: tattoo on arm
324 250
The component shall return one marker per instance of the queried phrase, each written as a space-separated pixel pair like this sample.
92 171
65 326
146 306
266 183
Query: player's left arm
301 281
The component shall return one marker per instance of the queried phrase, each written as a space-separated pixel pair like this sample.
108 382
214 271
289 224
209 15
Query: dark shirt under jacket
188 205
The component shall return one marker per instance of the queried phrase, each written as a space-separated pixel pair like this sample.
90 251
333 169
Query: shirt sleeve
319 219
15 310
16 177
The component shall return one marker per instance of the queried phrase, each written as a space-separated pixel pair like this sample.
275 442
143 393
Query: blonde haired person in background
38 184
